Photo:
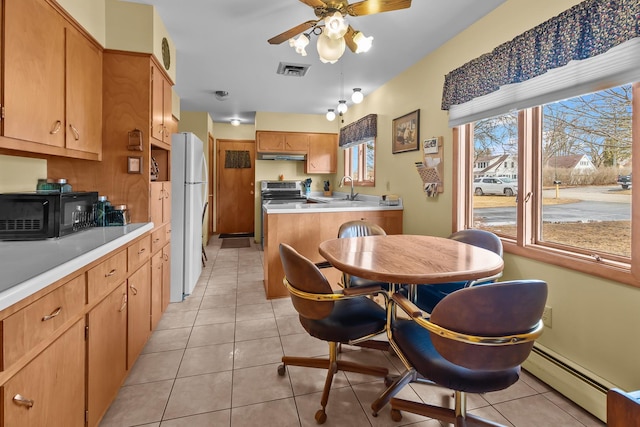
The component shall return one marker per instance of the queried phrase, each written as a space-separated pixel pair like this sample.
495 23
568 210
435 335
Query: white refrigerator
188 196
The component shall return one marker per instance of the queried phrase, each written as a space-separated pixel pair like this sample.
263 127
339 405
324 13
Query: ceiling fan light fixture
330 50
335 26
357 95
235 122
342 106
363 43
299 44
331 115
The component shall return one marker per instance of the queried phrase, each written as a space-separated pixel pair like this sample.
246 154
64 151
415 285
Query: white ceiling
222 45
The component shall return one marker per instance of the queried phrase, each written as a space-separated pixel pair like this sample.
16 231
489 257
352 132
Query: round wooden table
410 259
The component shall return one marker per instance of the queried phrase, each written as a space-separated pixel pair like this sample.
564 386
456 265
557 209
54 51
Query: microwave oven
45 215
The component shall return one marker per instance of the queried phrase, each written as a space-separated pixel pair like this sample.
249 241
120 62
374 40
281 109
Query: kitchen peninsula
304 225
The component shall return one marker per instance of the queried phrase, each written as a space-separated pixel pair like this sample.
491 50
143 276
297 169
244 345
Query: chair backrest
480 238
493 310
305 276
360 228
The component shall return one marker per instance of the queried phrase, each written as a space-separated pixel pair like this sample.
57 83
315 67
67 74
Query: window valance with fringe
359 132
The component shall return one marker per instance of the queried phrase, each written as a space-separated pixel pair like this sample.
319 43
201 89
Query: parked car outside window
495 185
624 181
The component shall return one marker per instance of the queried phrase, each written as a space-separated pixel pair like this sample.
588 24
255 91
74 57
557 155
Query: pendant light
331 115
357 95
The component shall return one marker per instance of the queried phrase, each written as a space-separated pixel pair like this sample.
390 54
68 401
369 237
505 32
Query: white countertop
27 267
337 203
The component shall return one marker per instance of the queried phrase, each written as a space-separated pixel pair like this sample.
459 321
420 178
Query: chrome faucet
352 196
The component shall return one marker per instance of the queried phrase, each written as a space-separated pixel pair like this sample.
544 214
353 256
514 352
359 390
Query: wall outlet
546 316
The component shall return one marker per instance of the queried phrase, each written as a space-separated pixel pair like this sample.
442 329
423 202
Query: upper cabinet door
34 62
84 93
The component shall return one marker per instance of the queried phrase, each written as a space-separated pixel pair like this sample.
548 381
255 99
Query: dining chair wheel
281 370
396 415
321 416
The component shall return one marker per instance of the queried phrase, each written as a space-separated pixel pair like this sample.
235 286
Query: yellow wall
137 27
20 173
594 320
90 16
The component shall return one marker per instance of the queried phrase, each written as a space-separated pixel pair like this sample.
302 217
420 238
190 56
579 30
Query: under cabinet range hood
281 156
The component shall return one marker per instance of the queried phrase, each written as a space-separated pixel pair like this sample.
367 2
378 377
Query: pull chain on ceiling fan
335 33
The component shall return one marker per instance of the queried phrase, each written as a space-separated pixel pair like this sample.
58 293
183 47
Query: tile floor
212 361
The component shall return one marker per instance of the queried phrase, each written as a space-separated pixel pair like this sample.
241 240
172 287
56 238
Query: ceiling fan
335 30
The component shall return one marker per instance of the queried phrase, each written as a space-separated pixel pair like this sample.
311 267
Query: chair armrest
362 290
475 282
407 306
323 264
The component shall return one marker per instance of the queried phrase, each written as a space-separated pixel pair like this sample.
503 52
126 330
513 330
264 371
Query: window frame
362 159
527 242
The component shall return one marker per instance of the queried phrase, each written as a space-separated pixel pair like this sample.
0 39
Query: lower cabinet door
50 389
139 312
156 289
106 352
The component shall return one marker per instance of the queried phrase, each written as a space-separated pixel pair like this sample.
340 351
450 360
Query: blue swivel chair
473 342
345 317
428 296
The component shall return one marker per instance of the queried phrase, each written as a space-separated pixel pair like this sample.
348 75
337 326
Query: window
568 207
359 163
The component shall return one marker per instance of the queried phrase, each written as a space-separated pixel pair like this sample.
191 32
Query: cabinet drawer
104 277
138 253
158 239
39 320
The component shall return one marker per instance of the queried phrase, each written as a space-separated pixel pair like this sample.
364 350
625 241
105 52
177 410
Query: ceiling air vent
295 70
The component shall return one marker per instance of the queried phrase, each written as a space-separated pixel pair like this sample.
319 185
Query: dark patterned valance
359 132
586 30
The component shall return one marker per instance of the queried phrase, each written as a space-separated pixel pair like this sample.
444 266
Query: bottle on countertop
102 211
64 186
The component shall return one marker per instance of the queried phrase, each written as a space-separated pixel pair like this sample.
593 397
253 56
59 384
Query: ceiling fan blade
348 38
370 7
282 37
314 3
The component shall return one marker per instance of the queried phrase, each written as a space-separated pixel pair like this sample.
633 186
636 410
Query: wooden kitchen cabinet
40 319
51 388
138 312
156 289
160 203
166 276
323 153
282 142
106 352
161 100
130 82
51 82
305 231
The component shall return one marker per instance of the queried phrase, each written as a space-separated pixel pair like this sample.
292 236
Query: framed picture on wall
406 133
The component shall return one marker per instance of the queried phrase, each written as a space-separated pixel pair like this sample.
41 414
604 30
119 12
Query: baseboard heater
583 387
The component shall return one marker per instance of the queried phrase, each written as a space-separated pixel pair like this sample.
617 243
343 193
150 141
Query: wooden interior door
212 182
236 186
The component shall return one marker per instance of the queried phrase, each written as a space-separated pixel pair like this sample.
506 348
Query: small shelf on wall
162 159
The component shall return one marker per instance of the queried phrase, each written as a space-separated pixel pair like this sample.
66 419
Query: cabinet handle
141 251
166 257
124 303
56 127
156 240
133 289
76 134
52 315
111 273
21 400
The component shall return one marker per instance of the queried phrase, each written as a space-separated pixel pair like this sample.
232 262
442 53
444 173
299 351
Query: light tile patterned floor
212 362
